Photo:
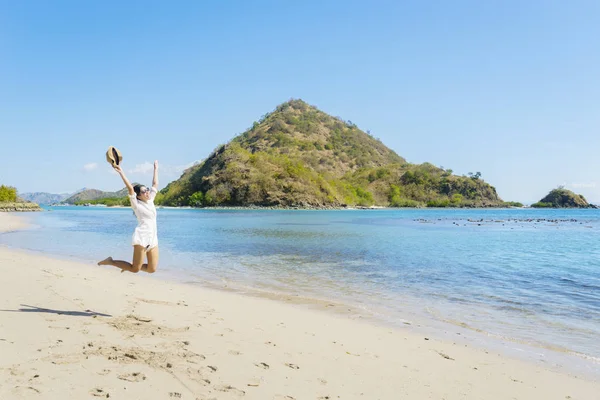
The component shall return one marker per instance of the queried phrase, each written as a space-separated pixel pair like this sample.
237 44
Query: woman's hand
125 180
155 177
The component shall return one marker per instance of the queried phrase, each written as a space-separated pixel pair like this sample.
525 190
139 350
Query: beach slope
72 330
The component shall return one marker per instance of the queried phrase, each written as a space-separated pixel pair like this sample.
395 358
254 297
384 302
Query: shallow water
531 276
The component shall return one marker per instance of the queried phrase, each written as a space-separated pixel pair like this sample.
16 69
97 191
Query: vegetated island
300 157
563 198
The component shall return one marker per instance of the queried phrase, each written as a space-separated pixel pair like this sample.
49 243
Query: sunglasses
145 190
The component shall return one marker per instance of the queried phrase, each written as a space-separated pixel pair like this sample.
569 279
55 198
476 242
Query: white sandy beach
11 222
74 331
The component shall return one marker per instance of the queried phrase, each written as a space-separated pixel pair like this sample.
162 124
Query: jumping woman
145 239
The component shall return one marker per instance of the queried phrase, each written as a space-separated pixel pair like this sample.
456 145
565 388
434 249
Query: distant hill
45 198
563 198
299 156
95 194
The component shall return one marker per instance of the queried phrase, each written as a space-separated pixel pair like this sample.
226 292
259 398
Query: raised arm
125 180
155 178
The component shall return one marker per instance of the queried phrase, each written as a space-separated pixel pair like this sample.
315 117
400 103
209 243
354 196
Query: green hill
562 198
299 156
91 195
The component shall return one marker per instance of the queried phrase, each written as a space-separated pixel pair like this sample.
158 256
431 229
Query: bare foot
106 261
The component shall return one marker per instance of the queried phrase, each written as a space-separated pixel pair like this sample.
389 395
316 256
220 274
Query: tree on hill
8 194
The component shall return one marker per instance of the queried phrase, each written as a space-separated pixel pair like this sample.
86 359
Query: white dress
145 233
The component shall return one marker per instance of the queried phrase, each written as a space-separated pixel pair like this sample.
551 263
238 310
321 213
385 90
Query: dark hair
137 189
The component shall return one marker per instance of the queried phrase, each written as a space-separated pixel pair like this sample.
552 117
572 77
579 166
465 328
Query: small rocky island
563 198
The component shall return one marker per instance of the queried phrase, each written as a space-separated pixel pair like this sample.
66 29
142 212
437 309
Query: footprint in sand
209 369
58 275
446 356
142 326
133 377
230 389
196 375
292 366
234 352
158 302
262 365
99 392
25 390
282 397
59 327
135 355
34 377
63 359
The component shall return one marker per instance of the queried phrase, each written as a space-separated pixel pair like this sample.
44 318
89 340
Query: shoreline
292 208
338 208
9 222
99 331
19 207
539 353
536 351
317 315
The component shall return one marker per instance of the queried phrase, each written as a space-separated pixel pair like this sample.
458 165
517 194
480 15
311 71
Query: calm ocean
530 277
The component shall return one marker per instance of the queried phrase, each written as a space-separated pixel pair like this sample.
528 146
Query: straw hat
113 156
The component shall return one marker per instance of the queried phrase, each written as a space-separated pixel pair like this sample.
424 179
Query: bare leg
138 257
123 265
152 255
106 261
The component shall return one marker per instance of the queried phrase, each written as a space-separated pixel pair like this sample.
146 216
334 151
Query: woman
145 239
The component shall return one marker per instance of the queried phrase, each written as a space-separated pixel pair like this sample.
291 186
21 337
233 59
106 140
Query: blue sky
507 88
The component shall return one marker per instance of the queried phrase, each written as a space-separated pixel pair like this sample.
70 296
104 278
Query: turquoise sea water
529 276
